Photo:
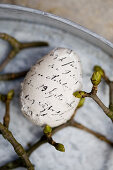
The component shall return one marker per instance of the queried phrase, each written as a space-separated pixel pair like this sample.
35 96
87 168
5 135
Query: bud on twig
96 78
60 147
10 94
79 94
81 102
99 69
47 129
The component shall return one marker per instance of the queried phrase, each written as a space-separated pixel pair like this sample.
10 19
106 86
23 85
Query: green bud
79 94
99 69
81 102
47 129
10 94
60 147
96 78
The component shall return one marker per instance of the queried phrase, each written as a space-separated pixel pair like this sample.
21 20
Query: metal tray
83 151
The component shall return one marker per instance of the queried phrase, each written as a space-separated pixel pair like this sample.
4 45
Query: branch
7 99
109 83
11 55
48 135
6 118
106 110
33 44
111 95
96 79
12 76
96 134
18 163
17 147
16 47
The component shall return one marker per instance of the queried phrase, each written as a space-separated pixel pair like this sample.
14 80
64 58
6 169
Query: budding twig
111 96
96 134
7 99
96 79
18 163
110 84
47 130
48 135
16 47
6 119
12 76
17 147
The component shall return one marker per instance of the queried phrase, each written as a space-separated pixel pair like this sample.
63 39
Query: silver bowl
83 151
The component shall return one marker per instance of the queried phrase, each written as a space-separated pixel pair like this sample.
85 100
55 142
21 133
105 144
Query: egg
47 90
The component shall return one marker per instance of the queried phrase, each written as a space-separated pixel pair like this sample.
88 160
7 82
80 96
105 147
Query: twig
109 83
36 145
11 55
17 147
48 135
96 134
12 76
111 95
18 163
16 47
96 79
33 44
7 99
106 110
6 119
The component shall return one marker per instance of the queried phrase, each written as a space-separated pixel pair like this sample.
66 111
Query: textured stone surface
97 15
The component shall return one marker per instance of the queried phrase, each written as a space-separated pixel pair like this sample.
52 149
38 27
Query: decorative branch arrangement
24 154
96 79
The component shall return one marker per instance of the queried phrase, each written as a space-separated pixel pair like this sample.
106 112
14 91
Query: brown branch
16 47
111 95
18 163
7 99
17 147
6 118
109 82
96 134
11 55
33 44
96 79
36 145
106 110
48 135
12 76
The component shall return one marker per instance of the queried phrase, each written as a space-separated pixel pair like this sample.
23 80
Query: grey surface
83 151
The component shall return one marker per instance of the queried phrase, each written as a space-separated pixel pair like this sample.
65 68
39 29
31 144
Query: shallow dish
83 151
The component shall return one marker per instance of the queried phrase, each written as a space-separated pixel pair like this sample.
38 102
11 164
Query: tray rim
88 35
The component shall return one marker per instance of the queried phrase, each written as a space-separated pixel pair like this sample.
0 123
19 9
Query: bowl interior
83 150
